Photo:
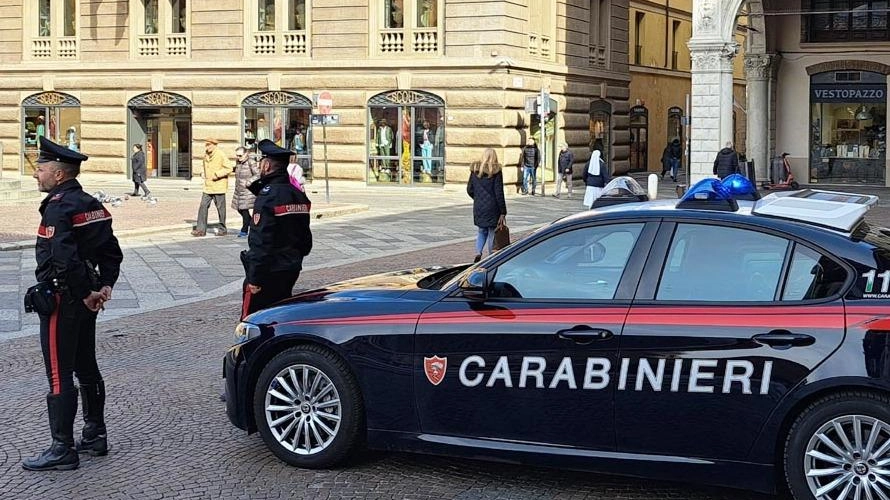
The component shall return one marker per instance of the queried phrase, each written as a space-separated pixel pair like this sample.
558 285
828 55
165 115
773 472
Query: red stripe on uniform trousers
245 302
85 218
55 375
292 209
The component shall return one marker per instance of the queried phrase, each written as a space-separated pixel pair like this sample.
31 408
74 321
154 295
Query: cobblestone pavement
171 439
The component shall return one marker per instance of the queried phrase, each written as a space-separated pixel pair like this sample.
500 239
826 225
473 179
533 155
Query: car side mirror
474 286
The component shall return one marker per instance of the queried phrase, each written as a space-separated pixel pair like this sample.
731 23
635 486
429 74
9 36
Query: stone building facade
420 87
661 80
817 75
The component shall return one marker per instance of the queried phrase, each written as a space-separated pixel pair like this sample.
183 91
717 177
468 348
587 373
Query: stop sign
325 103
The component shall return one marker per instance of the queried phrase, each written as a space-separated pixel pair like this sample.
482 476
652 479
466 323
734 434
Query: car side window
717 264
582 264
812 276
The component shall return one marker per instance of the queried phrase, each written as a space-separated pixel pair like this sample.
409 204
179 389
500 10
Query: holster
41 299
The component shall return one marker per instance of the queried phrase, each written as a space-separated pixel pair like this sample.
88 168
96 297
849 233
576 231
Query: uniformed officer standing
279 236
78 263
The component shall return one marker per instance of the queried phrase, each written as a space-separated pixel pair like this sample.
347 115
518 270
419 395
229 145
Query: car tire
851 464
320 425
795 185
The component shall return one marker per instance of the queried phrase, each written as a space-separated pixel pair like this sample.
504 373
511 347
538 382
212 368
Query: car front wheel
308 408
839 448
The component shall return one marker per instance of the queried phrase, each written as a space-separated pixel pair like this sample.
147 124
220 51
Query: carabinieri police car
725 341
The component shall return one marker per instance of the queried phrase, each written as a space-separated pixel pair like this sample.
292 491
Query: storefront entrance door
166 141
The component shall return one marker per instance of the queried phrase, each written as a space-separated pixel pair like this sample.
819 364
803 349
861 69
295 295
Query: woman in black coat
137 163
486 187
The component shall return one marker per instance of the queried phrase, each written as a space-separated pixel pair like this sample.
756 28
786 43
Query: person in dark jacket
565 162
78 263
137 163
531 158
726 162
279 237
486 188
596 176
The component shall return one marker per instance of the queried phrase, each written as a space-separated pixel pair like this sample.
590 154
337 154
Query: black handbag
41 298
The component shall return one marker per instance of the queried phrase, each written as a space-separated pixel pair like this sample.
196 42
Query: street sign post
325 104
333 119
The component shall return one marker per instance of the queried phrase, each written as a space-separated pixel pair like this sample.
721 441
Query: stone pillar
711 113
758 71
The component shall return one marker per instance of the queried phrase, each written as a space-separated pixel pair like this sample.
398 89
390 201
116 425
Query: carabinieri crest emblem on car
434 368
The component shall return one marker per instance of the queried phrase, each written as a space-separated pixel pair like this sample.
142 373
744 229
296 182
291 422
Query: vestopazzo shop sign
849 93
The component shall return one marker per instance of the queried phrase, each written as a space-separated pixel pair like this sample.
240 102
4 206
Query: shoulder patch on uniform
256 218
266 189
82 219
292 209
46 231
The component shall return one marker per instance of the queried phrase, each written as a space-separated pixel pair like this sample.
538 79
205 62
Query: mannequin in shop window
426 149
41 128
72 138
384 147
406 148
261 131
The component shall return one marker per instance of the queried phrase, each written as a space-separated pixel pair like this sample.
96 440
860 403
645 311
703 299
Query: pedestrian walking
216 183
486 187
78 263
137 164
670 159
565 162
246 171
726 162
595 178
279 237
530 159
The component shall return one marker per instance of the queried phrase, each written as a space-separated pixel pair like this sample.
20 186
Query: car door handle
783 339
584 334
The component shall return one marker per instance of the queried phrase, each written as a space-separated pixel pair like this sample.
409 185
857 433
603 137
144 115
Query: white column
757 71
711 112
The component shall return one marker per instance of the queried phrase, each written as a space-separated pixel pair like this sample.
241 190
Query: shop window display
600 123
53 115
282 117
848 131
406 139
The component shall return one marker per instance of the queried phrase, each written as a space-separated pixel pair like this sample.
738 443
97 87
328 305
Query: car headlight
245 332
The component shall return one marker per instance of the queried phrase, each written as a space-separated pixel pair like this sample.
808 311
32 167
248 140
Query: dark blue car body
704 391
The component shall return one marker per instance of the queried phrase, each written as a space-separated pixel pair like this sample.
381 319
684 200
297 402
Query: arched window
162 123
282 117
600 124
675 124
639 138
406 138
53 115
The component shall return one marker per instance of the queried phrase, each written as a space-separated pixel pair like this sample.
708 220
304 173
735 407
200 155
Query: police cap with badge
50 151
271 150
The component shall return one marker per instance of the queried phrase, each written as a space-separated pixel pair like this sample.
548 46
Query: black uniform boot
61 454
94 440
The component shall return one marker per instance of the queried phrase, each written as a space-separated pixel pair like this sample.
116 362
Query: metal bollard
653 186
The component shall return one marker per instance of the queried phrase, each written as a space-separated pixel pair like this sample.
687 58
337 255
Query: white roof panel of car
841 211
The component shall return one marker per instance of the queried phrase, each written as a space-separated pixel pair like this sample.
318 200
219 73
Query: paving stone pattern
170 436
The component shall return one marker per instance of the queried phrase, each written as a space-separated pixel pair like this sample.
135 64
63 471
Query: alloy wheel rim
303 409
849 458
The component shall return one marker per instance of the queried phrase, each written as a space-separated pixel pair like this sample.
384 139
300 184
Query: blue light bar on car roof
740 187
840 211
708 194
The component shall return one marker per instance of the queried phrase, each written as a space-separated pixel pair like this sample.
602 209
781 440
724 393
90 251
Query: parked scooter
780 176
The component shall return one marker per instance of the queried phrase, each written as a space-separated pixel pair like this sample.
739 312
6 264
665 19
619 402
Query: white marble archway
713 48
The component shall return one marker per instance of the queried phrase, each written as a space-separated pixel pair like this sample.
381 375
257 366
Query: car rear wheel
839 448
308 408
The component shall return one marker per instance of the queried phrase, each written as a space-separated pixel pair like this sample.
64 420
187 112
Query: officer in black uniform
78 263
279 234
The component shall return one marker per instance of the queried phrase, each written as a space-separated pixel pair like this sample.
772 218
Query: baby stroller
780 176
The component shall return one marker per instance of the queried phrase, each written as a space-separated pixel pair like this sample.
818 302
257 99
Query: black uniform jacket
76 228
279 233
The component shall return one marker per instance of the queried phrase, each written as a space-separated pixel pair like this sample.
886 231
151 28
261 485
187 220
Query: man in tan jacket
216 183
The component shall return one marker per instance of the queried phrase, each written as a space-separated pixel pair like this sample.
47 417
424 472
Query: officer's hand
93 301
253 289
105 291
